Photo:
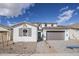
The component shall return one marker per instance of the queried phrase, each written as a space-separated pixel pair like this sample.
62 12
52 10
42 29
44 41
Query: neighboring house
74 31
24 32
5 33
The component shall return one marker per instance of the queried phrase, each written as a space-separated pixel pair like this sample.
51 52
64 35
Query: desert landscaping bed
18 48
48 47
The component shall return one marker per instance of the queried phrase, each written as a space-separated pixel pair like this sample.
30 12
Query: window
25 32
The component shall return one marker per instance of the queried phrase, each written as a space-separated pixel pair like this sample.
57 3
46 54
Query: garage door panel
55 35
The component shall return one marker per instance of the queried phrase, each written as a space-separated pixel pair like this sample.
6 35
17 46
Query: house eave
20 23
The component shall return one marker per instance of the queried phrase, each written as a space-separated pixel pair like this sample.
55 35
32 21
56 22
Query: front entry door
39 37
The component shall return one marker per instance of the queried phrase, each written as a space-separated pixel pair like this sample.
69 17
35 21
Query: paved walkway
44 47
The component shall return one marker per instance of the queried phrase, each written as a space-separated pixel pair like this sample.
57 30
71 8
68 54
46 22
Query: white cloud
9 23
78 7
65 16
64 8
71 23
13 9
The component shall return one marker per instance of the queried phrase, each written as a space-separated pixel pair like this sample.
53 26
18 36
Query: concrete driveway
56 47
60 46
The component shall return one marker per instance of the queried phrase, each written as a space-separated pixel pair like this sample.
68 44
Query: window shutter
29 32
20 32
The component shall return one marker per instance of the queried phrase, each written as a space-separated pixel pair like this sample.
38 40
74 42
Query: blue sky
61 13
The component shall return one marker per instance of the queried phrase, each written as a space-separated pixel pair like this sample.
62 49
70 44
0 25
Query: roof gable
43 23
18 24
76 26
5 27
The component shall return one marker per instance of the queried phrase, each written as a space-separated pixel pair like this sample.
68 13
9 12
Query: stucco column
44 35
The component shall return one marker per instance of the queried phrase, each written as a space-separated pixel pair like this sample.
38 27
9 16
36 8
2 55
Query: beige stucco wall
7 31
36 24
9 35
54 25
49 25
43 25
